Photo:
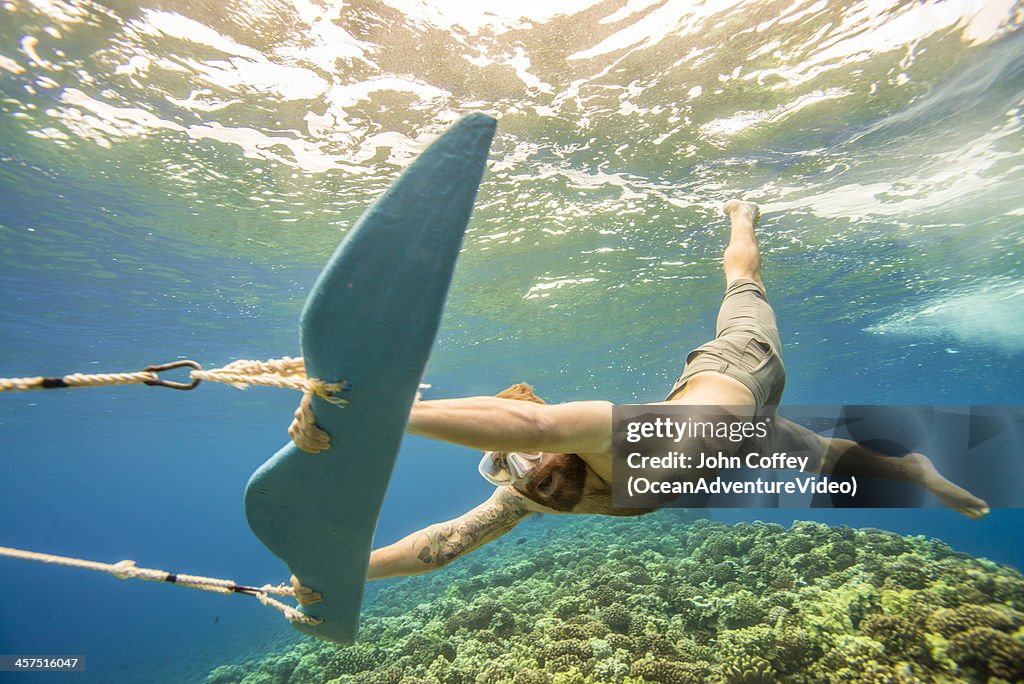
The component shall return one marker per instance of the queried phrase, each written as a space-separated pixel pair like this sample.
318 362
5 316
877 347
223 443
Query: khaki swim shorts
746 345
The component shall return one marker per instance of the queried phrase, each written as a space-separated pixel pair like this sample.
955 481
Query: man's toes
750 208
974 513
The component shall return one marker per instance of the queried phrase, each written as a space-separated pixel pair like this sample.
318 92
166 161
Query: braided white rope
126 569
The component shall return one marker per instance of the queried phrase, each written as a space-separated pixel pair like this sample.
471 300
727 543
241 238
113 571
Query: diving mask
505 467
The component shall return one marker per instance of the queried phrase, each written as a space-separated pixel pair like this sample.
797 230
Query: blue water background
106 264
157 476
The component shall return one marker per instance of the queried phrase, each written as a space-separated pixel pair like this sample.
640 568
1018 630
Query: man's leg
742 256
746 348
845 458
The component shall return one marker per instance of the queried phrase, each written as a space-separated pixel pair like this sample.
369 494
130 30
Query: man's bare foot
954 496
735 209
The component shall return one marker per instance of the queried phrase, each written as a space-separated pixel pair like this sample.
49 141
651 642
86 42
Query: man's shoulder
509 499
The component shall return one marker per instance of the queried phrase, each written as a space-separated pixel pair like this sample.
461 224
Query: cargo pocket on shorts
756 355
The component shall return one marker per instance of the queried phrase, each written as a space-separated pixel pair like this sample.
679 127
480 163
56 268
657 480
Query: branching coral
749 669
948 622
617 617
901 637
663 671
989 653
666 598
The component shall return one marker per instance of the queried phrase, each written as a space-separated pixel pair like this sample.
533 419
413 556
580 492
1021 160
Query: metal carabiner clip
159 368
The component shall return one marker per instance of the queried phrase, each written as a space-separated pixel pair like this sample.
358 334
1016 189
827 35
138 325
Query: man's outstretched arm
490 424
436 546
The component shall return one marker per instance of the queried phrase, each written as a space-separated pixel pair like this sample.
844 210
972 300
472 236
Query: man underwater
557 458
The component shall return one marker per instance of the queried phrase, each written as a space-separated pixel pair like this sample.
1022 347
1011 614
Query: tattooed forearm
445 541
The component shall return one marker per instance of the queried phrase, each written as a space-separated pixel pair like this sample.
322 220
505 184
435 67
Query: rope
127 569
287 372
76 380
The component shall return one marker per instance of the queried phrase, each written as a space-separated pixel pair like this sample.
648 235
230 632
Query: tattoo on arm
448 540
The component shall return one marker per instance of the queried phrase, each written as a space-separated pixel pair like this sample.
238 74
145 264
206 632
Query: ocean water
173 175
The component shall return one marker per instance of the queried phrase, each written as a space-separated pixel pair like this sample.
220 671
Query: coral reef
670 597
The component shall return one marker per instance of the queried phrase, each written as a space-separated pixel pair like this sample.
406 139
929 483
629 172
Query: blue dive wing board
370 320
